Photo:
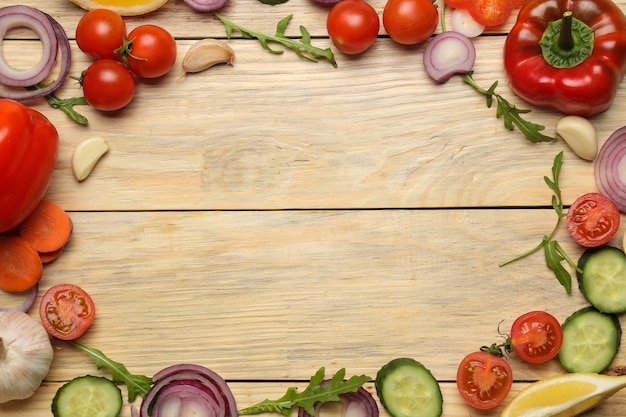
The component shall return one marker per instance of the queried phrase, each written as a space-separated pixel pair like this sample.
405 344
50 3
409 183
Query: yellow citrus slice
564 395
123 7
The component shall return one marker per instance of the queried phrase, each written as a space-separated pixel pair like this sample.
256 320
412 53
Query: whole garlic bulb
25 355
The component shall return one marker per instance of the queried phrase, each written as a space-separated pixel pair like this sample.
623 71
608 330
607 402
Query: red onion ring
359 403
180 388
610 168
28 302
447 54
206 5
14 16
22 16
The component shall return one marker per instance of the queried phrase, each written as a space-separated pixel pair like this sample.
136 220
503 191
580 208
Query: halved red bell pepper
29 145
568 55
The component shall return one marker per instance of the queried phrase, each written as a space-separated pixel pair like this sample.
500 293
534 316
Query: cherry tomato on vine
484 380
536 336
353 26
100 33
593 219
66 311
151 52
108 85
410 22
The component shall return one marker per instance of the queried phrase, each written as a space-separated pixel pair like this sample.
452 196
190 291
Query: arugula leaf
315 392
303 48
553 251
136 384
66 105
511 115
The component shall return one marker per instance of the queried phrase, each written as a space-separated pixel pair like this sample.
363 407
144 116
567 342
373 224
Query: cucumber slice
88 396
591 340
407 389
603 280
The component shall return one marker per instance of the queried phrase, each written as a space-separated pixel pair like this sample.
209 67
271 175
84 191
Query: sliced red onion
180 389
354 404
28 302
610 168
206 5
447 54
23 16
60 39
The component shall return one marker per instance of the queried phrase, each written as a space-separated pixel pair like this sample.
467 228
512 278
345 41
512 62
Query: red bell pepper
568 55
29 145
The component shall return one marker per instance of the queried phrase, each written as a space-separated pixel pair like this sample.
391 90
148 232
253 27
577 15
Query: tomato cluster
148 51
484 378
353 25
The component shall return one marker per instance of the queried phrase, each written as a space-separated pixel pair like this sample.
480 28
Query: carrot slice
48 228
20 265
47 257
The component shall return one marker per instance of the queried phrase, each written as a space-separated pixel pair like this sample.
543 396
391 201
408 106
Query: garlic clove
580 135
86 156
206 53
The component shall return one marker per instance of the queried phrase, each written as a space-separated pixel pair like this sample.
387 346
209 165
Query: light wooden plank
289 291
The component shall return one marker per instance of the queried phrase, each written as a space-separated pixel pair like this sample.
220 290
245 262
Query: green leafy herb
315 392
65 105
303 48
136 384
512 115
553 251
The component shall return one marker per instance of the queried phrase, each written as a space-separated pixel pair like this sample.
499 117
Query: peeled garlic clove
206 53
580 135
86 156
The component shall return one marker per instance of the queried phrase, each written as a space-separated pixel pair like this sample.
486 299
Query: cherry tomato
353 26
66 311
410 22
484 380
100 33
536 336
152 51
108 85
593 219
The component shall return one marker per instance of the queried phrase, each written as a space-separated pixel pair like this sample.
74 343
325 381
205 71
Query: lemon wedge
123 7
564 395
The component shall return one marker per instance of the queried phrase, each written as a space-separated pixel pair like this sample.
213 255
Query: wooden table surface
275 216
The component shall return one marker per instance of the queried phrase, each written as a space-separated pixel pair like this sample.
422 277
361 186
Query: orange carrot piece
20 265
47 228
47 257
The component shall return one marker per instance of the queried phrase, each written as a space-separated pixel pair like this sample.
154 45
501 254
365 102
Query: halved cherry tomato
491 12
66 311
484 380
593 219
536 336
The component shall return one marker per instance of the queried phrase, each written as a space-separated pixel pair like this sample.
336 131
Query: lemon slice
123 7
563 395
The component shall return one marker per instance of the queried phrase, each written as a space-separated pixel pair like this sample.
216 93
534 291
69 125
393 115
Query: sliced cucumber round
591 340
603 278
407 389
88 396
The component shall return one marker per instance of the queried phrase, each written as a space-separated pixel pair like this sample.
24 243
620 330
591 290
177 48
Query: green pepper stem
566 39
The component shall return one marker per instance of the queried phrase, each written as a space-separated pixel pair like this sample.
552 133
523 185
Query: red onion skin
206 5
610 168
13 16
326 1
31 295
192 376
441 73
364 399
64 46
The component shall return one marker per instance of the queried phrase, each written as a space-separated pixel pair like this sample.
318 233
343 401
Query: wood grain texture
275 216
